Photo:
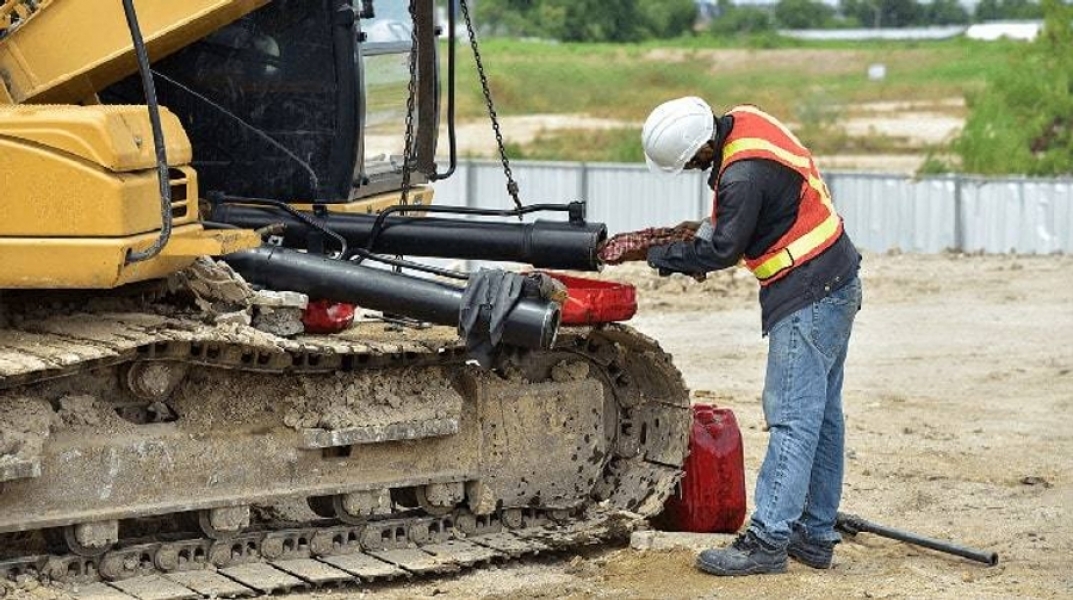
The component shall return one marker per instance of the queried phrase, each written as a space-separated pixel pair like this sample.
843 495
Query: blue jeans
800 482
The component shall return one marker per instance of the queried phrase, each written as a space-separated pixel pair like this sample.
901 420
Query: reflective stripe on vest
776 261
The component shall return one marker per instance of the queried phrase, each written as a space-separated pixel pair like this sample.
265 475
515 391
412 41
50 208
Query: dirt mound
730 288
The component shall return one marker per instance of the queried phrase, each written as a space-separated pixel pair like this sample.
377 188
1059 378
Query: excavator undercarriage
153 443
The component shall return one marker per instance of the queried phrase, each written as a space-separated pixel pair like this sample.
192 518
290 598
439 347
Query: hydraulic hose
158 137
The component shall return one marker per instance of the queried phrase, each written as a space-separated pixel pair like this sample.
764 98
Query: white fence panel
885 213
1018 215
484 185
882 212
992 213
453 190
627 198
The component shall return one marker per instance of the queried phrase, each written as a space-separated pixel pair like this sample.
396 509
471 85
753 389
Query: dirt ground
959 409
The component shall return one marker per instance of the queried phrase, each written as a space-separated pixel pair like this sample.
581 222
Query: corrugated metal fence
882 212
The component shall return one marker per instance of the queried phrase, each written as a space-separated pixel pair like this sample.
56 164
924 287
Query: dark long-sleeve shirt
757 204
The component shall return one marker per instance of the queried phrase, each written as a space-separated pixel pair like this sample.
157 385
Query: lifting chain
407 162
411 101
512 186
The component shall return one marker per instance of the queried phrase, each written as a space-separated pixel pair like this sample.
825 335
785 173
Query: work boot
747 555
813 553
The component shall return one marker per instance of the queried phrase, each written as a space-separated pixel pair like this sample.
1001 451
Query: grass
791 80
602 145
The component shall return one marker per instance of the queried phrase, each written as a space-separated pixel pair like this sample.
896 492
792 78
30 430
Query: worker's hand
687 226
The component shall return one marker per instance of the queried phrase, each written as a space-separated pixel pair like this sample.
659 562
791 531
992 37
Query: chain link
512 186
411 101
408 150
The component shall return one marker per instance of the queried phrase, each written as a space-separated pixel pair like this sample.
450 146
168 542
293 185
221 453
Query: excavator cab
304 101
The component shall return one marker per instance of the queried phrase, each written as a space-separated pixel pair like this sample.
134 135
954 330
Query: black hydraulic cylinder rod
853 525
543 244
531 323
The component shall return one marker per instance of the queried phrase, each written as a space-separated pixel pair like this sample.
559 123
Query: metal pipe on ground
852 525
531 323
543 244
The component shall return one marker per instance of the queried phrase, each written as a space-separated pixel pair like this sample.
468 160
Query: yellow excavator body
65 51
80 182
81 193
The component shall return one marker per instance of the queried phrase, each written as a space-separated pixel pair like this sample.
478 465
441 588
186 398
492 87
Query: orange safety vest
757 134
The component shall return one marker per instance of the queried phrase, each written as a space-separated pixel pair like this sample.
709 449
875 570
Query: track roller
225 522
439 499
91 539
353 508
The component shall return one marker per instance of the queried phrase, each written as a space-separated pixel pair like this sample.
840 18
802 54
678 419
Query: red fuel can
711 496
325 316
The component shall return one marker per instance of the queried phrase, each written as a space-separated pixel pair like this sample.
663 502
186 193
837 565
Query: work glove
705 230
654 257
691 226
634 245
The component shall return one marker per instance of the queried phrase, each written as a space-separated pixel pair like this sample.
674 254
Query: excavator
183 185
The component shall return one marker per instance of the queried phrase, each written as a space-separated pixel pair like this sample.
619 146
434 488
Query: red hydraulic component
590 301
711 496
325 316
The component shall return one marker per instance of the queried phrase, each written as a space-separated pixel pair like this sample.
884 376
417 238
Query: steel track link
286 560
641 473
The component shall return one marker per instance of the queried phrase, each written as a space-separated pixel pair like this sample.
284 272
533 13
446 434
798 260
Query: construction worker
773 213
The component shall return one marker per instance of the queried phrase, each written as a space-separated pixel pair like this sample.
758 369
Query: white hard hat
675 131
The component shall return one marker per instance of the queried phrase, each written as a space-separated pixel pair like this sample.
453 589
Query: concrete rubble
651 539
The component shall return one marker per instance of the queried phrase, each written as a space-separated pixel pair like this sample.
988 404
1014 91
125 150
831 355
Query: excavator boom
96 49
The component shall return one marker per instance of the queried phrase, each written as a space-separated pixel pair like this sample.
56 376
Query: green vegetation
637 20
601 145
625 81
810 84
1022 122
589 20
1019 96
1008 9
804 14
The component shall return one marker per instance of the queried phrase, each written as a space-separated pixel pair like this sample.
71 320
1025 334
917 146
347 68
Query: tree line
637 20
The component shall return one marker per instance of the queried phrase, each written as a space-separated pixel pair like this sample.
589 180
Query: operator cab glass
301 100
384 50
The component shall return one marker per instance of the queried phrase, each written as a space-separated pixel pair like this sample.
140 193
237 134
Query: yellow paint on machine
419 195
115 137
82 171
38 64
81 191
100 263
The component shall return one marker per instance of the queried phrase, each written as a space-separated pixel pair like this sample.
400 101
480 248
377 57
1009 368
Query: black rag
486 302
